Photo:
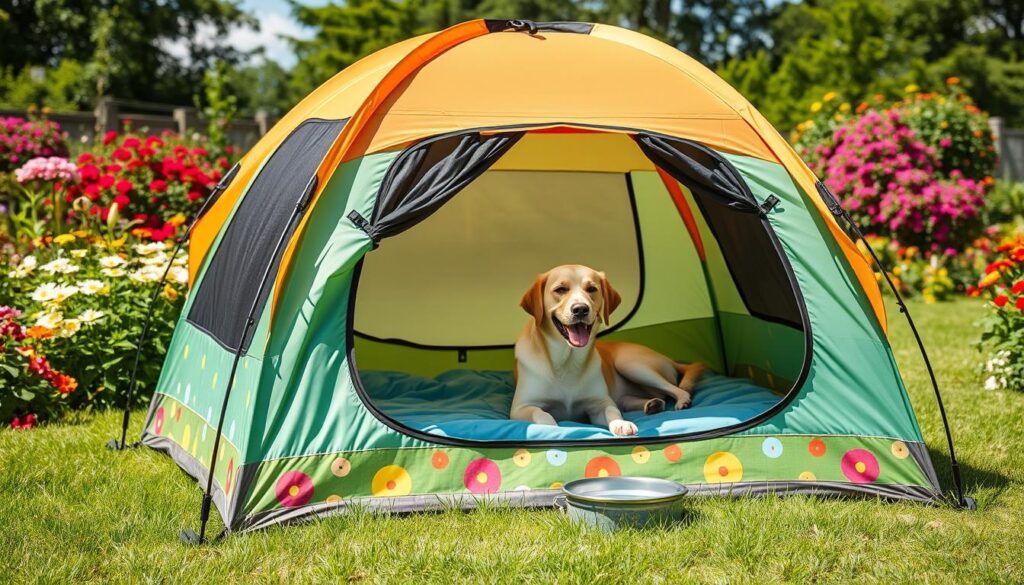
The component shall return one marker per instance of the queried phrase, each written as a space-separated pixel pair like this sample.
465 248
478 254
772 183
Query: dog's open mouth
577 334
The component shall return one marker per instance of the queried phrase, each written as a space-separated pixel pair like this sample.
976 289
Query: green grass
74 511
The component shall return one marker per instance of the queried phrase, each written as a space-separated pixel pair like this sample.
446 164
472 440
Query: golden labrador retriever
563 374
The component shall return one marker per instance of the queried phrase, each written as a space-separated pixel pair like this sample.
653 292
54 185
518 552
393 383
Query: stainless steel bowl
610 503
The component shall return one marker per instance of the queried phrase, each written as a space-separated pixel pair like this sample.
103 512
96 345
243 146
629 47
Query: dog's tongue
579 334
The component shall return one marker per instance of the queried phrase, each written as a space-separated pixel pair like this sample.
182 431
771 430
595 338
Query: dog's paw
622 428
654 406
683 402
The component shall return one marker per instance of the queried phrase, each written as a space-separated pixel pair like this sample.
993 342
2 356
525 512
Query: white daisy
45 293
112 272
150 248
60 266
178 275
79 253
147 274
90 316
158 259
64 292
50 320
69 327
112 261
93 287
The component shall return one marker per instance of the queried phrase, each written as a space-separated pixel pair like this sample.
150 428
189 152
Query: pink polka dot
158 423
482 476
294 488
859 466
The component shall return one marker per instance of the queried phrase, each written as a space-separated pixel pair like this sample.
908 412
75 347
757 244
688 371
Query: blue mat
472 404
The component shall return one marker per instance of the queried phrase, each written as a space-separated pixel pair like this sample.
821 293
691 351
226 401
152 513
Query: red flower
85 157
145 152
1001 300
200 152
1017 254
135 163
89 172
154 141
92 191
124 186
112 169
194 195
109 137
158 185
1020 303
107 181
131 142
1018 287
64 384
122 201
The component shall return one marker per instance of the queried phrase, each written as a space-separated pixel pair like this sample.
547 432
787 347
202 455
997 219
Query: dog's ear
610 296
533 300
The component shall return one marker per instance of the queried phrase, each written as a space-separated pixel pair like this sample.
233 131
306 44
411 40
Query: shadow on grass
974 479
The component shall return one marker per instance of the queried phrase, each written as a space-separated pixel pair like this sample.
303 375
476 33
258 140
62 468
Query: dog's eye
561 290
591 289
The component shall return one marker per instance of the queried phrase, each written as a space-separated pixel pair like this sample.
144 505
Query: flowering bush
1003 338
22 140
83 300
150 178
41 179
915 169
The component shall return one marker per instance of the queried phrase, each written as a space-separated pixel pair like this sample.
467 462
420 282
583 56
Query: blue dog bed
473 404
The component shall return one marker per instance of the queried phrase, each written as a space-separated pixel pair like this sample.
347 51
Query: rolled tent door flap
427 175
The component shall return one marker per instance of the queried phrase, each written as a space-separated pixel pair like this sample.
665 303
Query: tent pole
189 536
963 502
114 443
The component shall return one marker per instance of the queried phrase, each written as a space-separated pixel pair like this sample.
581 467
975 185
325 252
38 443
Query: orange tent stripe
684 210
356 125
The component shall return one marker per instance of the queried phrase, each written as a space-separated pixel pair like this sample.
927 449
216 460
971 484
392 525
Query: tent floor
474 405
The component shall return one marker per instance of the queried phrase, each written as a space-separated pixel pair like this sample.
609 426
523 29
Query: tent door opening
465 223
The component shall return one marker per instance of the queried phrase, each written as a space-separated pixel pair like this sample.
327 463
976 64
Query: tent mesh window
228 289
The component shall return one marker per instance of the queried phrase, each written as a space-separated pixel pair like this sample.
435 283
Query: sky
275 20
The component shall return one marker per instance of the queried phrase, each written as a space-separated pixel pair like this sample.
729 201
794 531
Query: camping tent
355 285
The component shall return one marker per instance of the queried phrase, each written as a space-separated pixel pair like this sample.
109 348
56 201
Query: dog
563 373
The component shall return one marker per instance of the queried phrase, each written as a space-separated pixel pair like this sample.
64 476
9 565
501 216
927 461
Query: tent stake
963 502
114 443
189 536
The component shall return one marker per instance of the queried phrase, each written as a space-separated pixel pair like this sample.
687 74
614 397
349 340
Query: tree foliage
113 47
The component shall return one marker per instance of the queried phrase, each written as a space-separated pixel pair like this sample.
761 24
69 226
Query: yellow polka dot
186 436
521 458
184 352
333 499
214 384
723 467
641 454
391 480
248 397
202 362
860 467
556 485
293 491
808 476
602 472
481 477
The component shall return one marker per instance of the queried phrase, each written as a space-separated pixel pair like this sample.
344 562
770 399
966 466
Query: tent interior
436 308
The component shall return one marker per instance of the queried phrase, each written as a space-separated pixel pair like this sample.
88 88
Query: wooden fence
114 114
1010 149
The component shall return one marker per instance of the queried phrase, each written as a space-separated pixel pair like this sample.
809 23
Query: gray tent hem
546 498
191 466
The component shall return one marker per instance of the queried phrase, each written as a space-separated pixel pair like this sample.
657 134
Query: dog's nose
580 310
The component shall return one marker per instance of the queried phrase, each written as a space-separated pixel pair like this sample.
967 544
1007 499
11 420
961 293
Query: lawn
74 511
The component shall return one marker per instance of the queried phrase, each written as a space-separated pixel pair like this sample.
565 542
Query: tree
122 46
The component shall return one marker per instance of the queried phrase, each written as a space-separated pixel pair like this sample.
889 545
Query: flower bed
1003 336
79 302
